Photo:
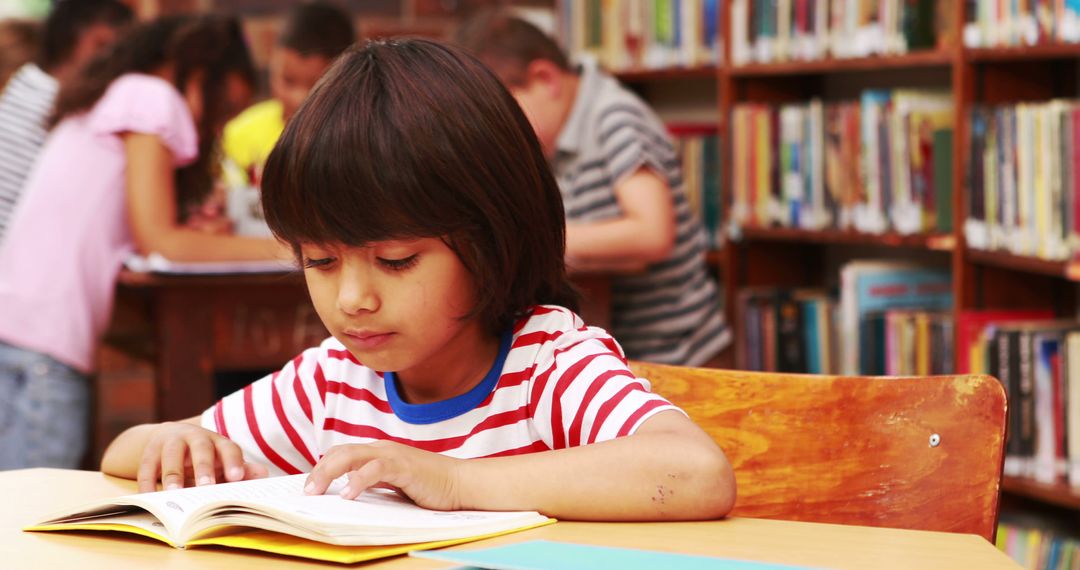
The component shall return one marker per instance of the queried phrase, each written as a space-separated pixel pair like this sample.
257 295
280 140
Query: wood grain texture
852 450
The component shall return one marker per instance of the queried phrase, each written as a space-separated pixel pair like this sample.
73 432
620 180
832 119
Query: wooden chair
916 453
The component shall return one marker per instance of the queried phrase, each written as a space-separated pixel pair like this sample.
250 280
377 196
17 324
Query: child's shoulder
142 85
551 329
548 318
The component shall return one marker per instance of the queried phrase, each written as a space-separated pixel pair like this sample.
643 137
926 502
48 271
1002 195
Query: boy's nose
357 296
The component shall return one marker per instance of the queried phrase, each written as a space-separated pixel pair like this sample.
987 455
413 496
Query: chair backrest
918 453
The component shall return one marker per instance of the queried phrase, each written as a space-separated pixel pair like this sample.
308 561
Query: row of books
1038 362
1024 182
886 318
1035 548
699 147
996 23
874 165
766 31
643 34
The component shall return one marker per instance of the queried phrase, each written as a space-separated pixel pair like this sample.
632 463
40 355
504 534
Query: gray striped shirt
671 312
25 105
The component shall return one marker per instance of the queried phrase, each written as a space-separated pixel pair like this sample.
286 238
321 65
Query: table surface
32 494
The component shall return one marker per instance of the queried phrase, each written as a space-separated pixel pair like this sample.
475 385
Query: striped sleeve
273 419
628 141
584 391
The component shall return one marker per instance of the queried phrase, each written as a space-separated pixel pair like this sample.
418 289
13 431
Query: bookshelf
981 279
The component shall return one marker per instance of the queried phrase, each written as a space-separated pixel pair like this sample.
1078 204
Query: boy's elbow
717 486
658 247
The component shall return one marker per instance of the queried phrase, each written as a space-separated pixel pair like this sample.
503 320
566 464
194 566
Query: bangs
339 173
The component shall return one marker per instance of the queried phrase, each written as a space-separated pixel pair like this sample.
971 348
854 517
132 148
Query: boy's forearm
652 476
121 458
619 241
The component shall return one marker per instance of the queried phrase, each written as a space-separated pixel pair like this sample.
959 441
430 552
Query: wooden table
193 325
29 495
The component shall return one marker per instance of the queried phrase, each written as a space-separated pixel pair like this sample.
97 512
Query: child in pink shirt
131 146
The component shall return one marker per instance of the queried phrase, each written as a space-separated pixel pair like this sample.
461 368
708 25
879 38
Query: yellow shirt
249 138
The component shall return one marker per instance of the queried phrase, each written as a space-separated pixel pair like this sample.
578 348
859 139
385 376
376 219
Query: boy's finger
172 464
369 475
147 474
232 459
203 458
337 462
255 471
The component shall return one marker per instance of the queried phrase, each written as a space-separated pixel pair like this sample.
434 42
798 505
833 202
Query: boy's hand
429 479
180 452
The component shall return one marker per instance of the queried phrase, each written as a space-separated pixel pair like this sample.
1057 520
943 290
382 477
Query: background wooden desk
30 495
191 326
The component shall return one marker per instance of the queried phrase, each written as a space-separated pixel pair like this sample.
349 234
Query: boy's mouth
367 339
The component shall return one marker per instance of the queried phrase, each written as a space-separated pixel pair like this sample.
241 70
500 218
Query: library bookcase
787 257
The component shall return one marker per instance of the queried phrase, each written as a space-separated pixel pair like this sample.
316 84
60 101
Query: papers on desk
155 263
548 555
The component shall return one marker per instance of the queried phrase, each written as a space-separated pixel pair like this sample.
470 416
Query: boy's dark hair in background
411 138
209 44
507 45
69 19
317 28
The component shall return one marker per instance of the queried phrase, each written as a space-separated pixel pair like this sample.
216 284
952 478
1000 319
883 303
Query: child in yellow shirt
314 35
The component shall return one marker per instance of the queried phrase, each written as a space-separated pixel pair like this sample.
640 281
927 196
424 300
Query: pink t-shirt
69 234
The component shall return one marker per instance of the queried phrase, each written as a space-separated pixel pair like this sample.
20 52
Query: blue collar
446 409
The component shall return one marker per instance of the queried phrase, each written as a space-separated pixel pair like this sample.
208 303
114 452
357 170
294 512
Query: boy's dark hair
211 44
317 28
508 45
69 18
412 138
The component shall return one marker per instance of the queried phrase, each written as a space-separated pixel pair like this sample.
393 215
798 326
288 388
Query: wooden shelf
671 73
920 59
1023 53
1020 262
715 258
1059 494
934 242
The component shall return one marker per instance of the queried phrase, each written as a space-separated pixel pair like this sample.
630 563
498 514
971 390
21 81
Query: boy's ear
544 73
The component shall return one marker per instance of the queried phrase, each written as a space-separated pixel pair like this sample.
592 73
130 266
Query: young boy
431 235
74 32
622 189
315 33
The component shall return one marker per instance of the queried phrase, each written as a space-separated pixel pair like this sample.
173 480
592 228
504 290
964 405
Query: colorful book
379 523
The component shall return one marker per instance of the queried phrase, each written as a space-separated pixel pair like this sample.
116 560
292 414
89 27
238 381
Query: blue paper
548 555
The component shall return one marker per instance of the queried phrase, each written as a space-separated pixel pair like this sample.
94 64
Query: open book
378 523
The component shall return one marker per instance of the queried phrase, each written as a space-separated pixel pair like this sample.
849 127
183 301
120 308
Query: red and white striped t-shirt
556 383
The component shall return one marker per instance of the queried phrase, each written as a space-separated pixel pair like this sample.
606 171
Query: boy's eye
399 264
318 262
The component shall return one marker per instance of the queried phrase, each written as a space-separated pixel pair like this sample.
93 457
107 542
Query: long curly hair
211 44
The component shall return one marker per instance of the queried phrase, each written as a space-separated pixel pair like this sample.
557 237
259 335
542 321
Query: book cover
877 286
549 555
377 524
973 324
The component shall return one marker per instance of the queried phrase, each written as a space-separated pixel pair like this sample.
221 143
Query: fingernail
205 480
310 487
172 486
236 473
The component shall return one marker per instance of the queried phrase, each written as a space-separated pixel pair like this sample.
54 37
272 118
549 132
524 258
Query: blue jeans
44 411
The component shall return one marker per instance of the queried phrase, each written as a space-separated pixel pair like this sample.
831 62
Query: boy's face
292 75
397 305
546 111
